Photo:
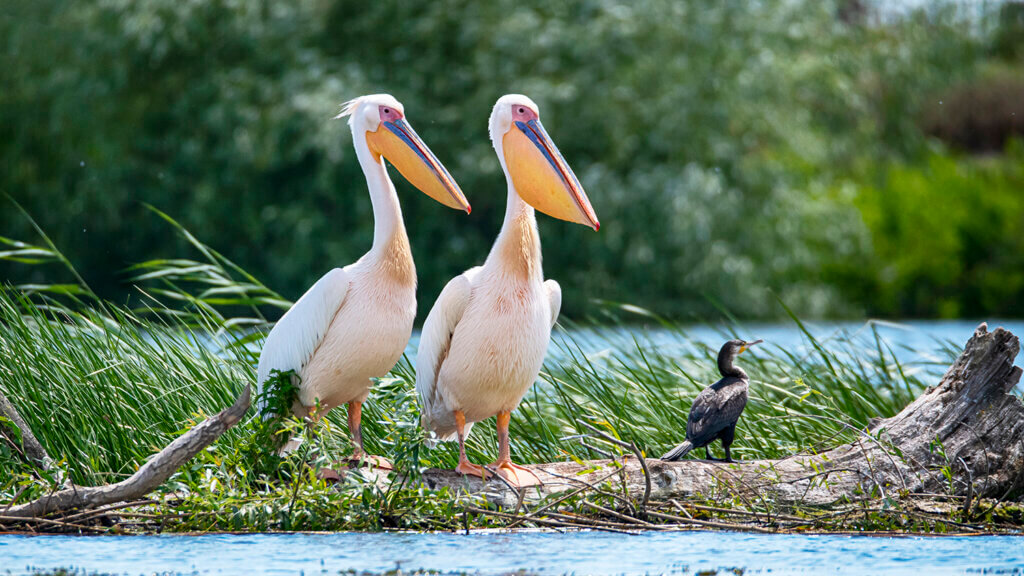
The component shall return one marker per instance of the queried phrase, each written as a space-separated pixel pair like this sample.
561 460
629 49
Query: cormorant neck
727 368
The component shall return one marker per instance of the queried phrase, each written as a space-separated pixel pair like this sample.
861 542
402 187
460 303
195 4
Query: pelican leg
355 427
355 430
516 475
465 466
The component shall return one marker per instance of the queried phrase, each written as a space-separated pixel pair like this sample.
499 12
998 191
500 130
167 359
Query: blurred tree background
845 157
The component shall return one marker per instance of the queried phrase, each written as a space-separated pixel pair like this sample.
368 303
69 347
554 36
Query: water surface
496 553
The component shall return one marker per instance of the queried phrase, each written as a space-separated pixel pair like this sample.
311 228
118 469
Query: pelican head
539 174
380 119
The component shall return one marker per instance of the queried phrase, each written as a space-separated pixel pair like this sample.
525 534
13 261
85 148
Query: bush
707 135
946 237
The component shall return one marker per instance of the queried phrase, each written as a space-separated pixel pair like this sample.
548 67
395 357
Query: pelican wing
435 340
555 298
296 336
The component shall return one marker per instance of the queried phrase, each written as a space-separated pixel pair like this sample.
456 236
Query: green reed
104 386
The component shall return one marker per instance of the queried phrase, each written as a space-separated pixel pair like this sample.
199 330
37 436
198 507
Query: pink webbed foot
516 475
467 468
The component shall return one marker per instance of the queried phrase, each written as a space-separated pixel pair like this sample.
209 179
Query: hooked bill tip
469 209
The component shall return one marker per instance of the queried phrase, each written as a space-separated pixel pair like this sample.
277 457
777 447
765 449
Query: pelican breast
498 347
365 339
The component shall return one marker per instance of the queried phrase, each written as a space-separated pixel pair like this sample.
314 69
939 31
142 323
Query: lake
929 345
499 553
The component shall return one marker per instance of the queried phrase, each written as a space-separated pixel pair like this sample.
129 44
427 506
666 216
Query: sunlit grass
103 389
104 386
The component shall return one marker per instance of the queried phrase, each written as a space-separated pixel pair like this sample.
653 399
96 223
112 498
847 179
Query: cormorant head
734 348
730 350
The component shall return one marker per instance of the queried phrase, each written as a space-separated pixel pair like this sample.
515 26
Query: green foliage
708 135
1008 40
947 237
268 435
103 387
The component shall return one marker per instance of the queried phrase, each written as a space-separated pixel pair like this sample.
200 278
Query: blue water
917 344
491 553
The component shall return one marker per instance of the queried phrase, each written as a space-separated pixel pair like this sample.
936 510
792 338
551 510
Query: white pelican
484 340
355 322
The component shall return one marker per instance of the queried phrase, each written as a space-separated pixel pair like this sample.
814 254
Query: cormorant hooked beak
746 345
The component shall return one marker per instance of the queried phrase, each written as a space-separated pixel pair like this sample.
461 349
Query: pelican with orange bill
352 326
484 340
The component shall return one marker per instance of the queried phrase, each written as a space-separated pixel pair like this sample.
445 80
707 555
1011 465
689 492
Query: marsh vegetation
104 386
782 159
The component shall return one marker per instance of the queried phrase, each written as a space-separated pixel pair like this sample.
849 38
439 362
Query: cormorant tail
679 451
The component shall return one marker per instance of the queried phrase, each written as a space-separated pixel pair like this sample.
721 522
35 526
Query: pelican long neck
517 249
726 366
390 241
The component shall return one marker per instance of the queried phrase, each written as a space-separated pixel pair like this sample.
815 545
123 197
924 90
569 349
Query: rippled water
491 553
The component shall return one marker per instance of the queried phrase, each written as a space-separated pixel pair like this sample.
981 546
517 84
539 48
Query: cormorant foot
516 475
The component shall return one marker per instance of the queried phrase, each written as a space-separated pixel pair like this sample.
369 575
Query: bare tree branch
29 446
151 475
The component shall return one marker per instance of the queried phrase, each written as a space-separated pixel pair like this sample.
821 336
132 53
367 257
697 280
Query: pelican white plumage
484 340
354 323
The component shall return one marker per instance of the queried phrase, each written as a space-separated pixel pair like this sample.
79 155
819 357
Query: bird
354 323
717 408
484 340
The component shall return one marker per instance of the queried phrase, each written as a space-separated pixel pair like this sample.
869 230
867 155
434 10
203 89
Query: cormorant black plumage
717 408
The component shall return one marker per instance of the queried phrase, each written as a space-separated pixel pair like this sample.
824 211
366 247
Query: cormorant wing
716 408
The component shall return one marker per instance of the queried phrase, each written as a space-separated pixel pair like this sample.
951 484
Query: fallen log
969 426
147 478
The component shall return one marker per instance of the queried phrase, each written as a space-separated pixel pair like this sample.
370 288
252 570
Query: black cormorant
717 408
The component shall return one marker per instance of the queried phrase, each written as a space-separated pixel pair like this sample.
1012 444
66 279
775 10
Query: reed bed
104 386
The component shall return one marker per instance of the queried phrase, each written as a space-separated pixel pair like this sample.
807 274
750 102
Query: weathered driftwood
152 474
27 445
970 423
